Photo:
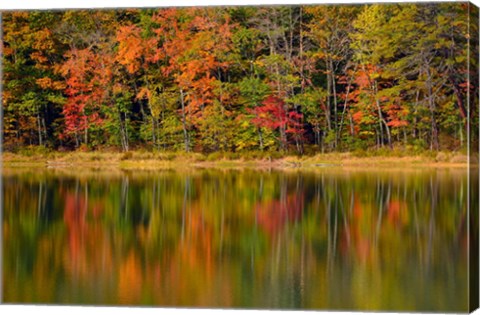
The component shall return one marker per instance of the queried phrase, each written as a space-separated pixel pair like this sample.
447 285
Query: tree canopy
281 78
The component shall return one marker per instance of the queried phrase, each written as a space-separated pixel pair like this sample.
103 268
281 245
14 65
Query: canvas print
301 157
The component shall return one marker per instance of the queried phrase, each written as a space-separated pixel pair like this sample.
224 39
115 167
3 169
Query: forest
292 79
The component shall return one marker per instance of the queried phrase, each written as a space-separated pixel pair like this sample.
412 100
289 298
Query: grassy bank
152 160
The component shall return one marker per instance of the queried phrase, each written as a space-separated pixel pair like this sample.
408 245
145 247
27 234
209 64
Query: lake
335 239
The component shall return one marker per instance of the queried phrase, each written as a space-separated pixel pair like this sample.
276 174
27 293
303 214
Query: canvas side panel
1 159
474 112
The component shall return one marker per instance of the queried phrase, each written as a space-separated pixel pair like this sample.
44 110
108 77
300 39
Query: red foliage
273 114
365 95
86 75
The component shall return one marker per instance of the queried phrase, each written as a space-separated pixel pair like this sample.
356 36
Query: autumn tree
329 29
32 91
272 115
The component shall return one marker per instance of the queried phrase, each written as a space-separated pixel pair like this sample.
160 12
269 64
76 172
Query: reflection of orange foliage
82 236
45 284
394 212
357 208
198 246
130 280
363 248
97 209
273 215
360 232
191 267
74 217
363 231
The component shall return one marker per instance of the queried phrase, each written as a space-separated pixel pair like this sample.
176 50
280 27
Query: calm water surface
330 239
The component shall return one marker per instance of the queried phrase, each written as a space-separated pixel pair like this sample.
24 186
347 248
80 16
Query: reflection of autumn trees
238 238
130 279
74 218
274 214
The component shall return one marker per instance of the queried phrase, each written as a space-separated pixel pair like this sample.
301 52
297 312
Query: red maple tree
275 115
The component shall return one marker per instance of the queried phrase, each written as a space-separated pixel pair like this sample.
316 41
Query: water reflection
261 239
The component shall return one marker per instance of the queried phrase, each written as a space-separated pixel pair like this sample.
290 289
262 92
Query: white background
65 310
48 4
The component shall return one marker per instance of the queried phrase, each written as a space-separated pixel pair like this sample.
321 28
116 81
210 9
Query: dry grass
161 160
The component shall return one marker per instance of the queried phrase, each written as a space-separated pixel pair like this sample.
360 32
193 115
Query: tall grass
400 154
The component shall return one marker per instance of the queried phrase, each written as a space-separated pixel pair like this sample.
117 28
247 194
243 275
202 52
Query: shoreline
135 160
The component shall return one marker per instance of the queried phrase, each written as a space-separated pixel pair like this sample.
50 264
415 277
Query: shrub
126 156
34 151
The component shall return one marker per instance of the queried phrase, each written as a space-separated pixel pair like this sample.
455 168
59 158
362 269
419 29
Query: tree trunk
434 145
260 138
460 103
154 138
283 137
382 119
125 128
329 88
44 130
39 128
317 137
184 123
298 145
345 103
335 104
352 126
415 119
123 136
